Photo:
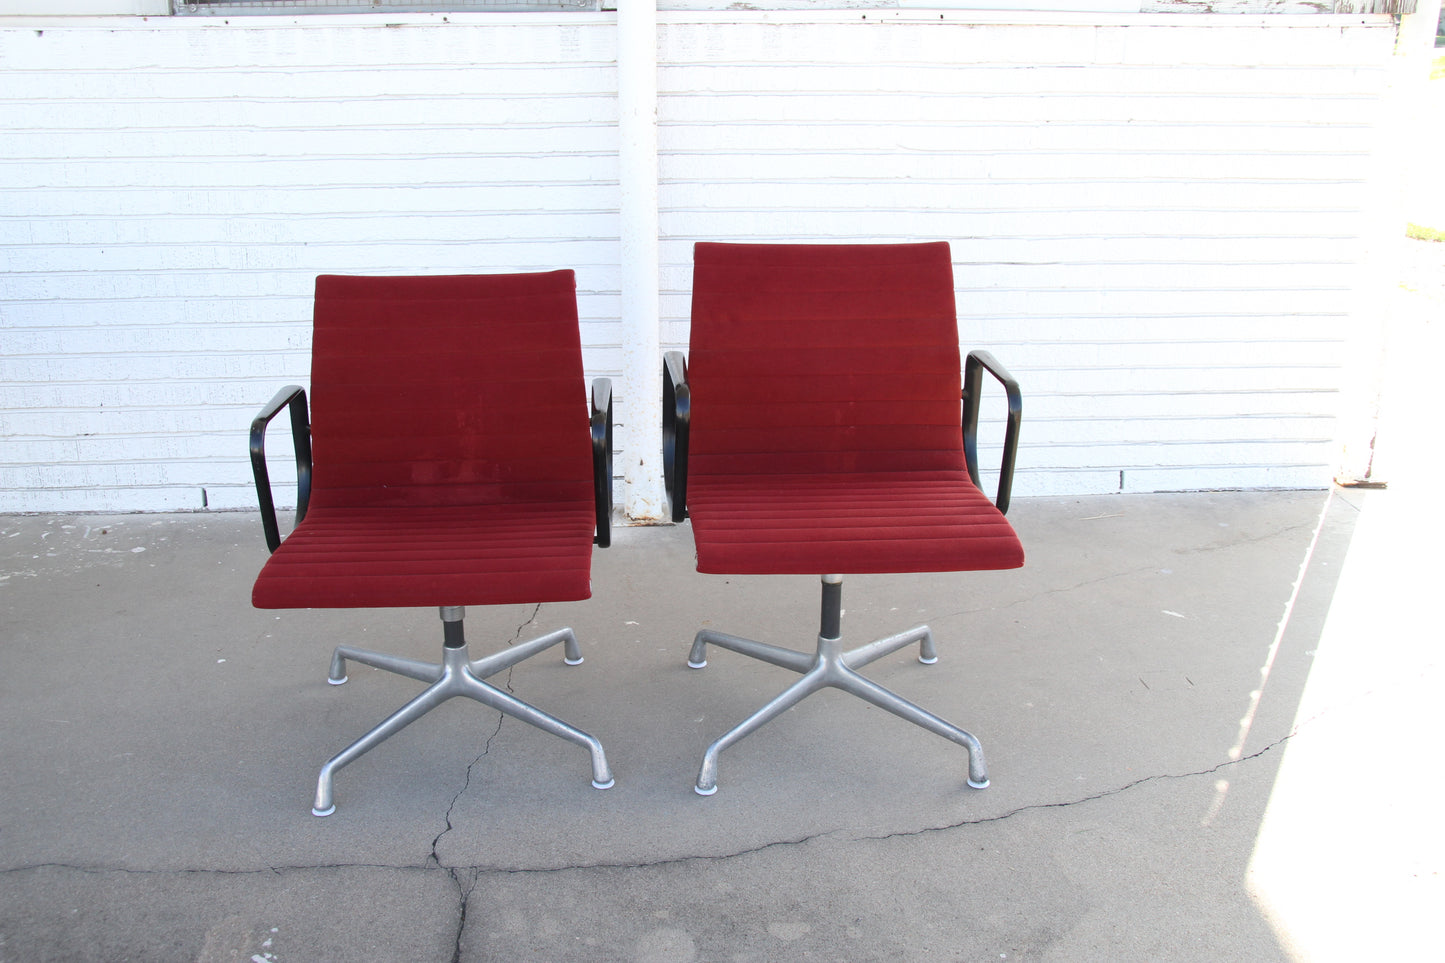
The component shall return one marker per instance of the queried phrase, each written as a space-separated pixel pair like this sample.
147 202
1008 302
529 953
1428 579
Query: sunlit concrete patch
1351 851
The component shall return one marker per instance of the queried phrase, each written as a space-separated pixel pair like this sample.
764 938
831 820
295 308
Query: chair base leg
457 675
832 667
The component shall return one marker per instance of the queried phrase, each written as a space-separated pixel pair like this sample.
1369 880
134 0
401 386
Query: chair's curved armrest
294 398
676 423
602 458
973 369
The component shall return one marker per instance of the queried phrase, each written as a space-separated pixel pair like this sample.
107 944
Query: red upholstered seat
452 450
825 403
479 554
847 524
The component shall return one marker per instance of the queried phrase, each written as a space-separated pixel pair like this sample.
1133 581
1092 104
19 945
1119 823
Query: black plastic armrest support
973 369
676 422
293 397
602 458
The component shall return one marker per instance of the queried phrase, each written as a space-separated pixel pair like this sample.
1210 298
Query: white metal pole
640 430
1407 138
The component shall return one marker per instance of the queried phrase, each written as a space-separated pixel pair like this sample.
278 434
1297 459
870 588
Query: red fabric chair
816 427
449 461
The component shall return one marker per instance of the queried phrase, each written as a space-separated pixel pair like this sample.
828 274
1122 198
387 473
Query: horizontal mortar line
942 65
963 20
1003 181
303 326
1053 92
223 187
1138 416
1163 289
959 212
311 130
272 244
976 238
163 161
1003 153
370 67
331 99
1113 470
211 271
947 63
244 408
1000 123
225 81
677 125
1073 318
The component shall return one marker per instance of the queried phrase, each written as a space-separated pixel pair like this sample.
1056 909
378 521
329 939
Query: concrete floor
1205 717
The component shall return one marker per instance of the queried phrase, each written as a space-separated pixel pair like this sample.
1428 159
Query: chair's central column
831 623
452 634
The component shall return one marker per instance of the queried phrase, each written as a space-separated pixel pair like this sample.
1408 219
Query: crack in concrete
901 834
1104 794
465 878
464 888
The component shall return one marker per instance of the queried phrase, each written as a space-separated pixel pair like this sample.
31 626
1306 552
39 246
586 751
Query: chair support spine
676 424
973 368
292 397
602 458
830 623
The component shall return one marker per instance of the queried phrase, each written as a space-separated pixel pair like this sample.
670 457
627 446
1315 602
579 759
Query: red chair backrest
459 390
807 358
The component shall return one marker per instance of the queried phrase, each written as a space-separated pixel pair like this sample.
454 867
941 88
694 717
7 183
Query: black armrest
602 458
676 422
293 397
973 368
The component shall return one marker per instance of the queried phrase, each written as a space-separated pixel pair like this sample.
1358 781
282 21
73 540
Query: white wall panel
1155 223
170 189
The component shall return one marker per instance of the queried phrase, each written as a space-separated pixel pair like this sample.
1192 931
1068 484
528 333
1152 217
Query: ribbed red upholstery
825 435
451 447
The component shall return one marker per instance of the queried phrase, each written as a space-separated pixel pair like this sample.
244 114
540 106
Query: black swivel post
832 620
452 633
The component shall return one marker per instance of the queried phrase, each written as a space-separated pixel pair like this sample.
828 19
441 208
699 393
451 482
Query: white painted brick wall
1156 220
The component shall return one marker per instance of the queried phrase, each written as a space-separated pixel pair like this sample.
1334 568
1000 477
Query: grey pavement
1207 720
